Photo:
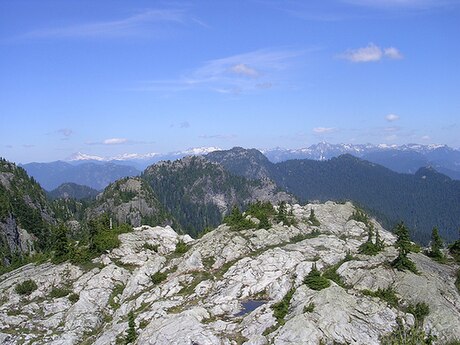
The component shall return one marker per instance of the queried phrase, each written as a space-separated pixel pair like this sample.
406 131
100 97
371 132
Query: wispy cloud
218 136
129 26
245 70
109 141
392 117
257 70
392 53
371 53
324 130
115 141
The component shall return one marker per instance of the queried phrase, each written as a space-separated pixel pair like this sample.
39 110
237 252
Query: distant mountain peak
79 156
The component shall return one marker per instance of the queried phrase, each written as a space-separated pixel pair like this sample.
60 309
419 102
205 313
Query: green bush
158 277
369 248
26 287
131 331
312 218
420 311
73 297
315 281
402 263
407 336
281 308
388 295
59 292
236 221
309 308
104 241
181 247
152 247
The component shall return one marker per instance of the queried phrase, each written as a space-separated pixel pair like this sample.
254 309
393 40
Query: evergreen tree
403 244
131 332
436 244
282 213
61 244
264 222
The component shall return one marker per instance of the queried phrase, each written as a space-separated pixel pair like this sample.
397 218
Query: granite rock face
223 289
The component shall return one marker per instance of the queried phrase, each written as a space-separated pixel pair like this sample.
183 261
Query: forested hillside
198 192
25 214
422 200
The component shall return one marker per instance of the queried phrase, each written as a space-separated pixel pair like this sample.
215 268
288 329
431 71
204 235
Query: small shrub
152 247
158 277
369 248
117 290
315 281
309 308
420 311
26 287
301 237
236 221
73 297
312 218
59 292
281 308
181 247
131 331
331 274
454 250
407 336
105 240
388 295
402 263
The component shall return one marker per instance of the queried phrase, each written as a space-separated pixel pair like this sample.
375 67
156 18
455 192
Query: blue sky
113 77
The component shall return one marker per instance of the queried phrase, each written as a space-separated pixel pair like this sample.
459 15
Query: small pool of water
249 306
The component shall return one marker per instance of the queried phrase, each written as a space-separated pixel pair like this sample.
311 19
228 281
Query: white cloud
133 25
391 117
392 53
323 130
245 70
366 54
426 137
391 129
253 71
371 53
115 141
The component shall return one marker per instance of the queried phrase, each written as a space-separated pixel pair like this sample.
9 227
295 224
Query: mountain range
104 170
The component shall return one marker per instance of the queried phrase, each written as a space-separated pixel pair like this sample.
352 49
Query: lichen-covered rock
201 295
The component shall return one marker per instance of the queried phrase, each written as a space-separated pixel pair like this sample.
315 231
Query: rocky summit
251 286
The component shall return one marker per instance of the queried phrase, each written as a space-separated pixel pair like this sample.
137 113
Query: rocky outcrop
131 200
224 289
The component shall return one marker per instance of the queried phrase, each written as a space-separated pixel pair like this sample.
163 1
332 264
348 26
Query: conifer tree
436 244
61 244
403 244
